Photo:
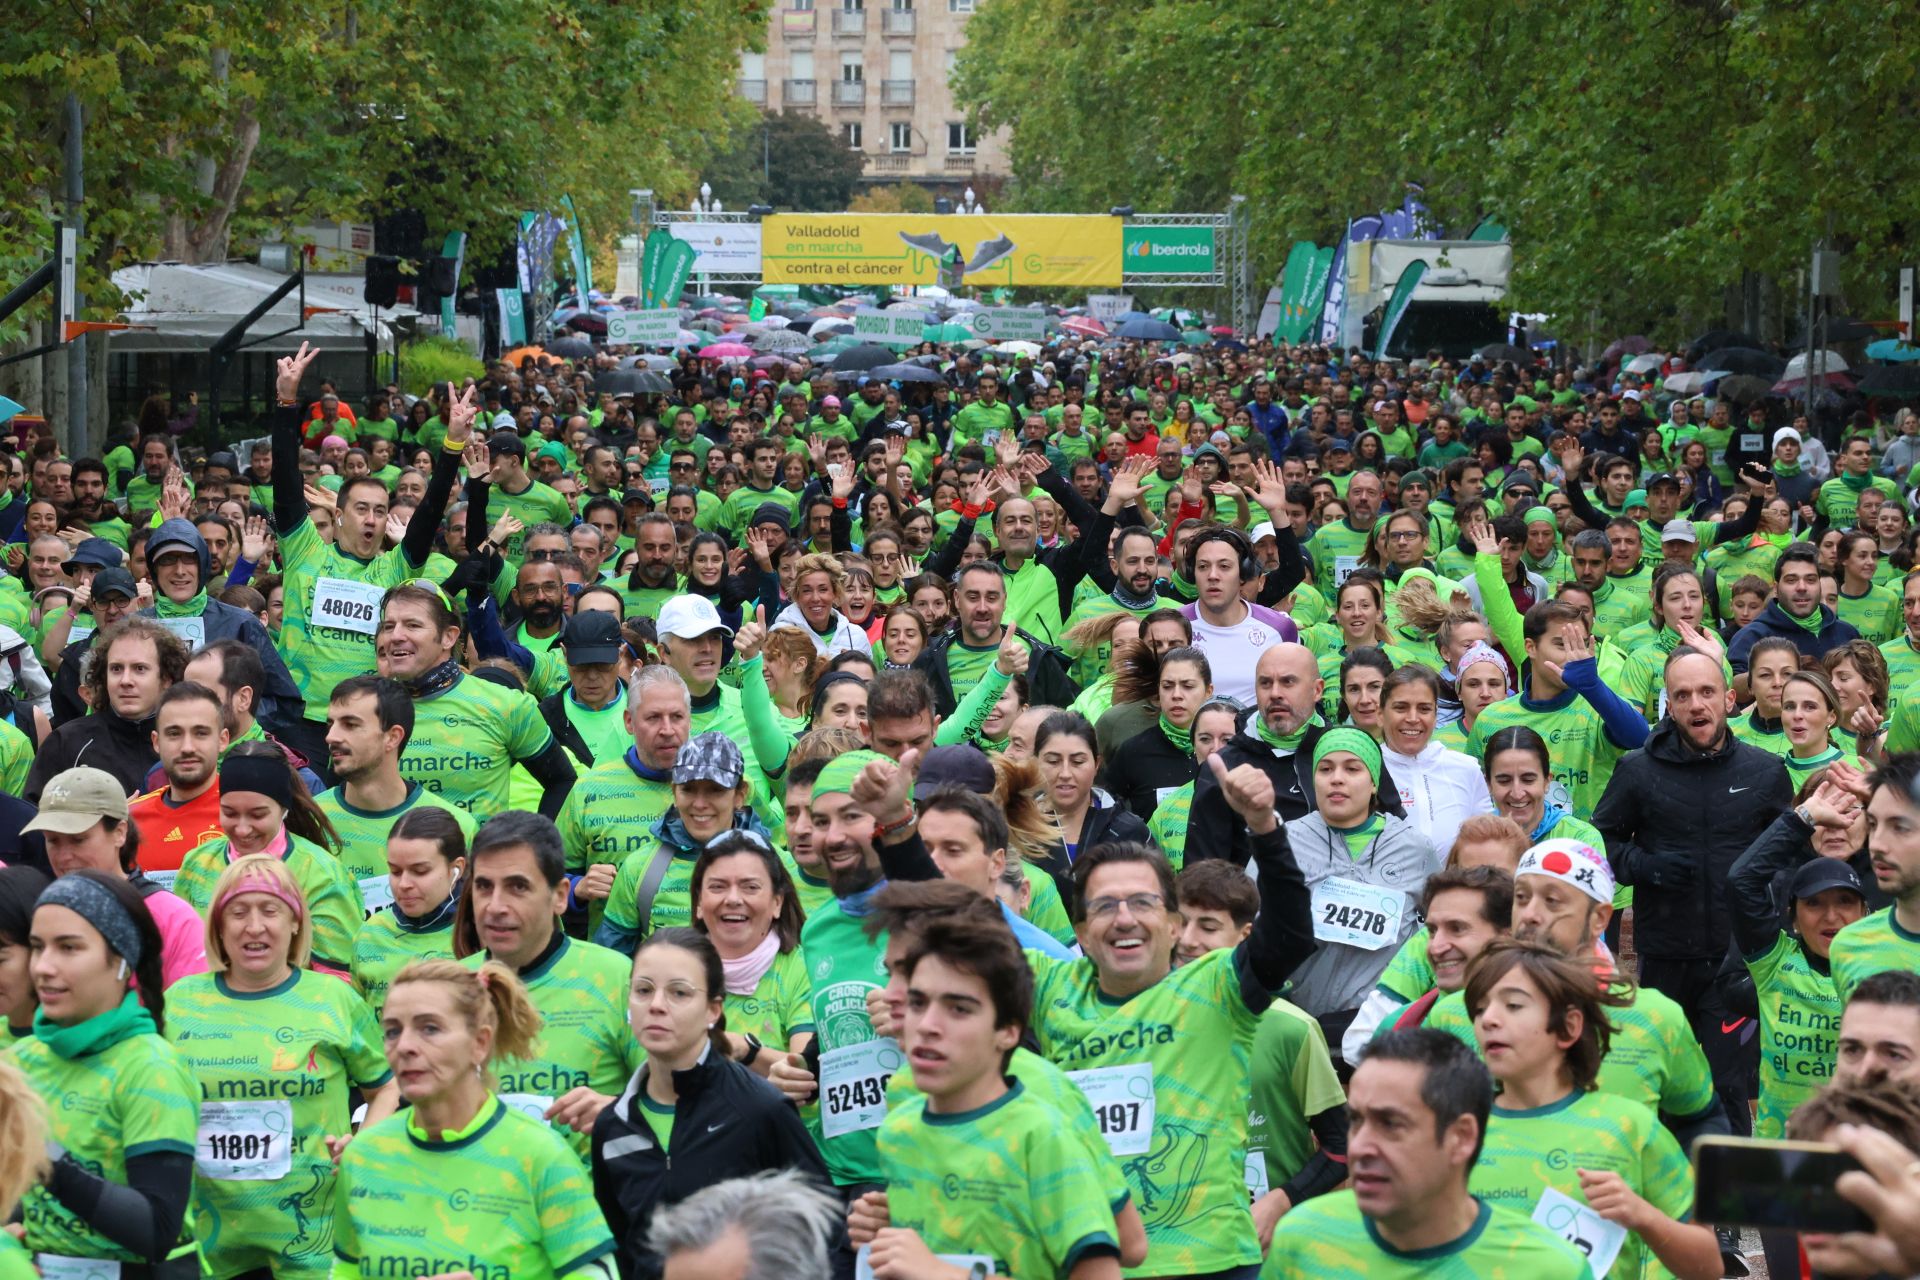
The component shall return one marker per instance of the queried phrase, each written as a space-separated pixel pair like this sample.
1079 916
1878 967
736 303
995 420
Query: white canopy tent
189 306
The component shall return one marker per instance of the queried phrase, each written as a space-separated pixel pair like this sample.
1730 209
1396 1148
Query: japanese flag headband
1573 862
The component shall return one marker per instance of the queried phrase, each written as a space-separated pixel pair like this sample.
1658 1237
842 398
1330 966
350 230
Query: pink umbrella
1085 326
726 351
1221 331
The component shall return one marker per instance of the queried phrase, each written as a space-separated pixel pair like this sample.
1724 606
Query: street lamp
968 204
705 203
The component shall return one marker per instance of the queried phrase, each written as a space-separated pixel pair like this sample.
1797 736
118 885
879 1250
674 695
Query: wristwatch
753 1049
1805 815
979 1271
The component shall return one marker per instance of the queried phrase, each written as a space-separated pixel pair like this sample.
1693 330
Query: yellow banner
980 250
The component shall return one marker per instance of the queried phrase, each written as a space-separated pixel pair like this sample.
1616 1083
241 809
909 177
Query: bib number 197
1122 1102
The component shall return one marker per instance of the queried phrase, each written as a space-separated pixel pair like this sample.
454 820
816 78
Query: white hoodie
1440 788
844 635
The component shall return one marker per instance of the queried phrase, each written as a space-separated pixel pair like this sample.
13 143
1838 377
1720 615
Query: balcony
958 164
898 162
897 24
754 91
850 23
798 93
849 93
797 24
896 93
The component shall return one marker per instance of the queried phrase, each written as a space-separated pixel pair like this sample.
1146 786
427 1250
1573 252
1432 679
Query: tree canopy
787 159
209 120
1644 156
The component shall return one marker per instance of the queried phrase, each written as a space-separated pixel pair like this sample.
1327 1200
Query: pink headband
257 883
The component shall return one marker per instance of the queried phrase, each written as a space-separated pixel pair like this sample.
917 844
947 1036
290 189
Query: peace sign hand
288 370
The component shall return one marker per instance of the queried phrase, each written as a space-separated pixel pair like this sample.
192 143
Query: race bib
1122 1101
1594 1236
245 1141
853 1085
1343 567
192 631
54 1266
1752 442
77 634
863 1261
1718 457
347 605
1357 914
376 892
1160 794
1257 1174
532 1105
164 879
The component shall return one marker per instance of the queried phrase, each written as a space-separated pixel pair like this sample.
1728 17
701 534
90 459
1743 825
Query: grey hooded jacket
1339 975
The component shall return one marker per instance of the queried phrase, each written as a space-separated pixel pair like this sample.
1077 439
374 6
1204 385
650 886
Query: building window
959 138
800 6
903 6
851 133
852 70
900 137
753 66
853 6
959 6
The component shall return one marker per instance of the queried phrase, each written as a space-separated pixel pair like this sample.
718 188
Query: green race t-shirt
1293 1081
508 1198
1799 1031
134 1099
843 965
466 740
1872 944
332 611
780 1006
363 836
1582 754
1530 1151
1008 1181
333 898
535 504
603 729
1328 1238
275 1068
581 993
1183 1042
384 948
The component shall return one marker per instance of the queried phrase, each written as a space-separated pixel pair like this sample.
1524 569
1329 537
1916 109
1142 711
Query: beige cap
73 801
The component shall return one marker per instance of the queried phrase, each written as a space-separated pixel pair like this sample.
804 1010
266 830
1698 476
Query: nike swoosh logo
1734 791
1728 1028
712 1127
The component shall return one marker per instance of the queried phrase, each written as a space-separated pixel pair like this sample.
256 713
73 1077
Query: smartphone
1758 1182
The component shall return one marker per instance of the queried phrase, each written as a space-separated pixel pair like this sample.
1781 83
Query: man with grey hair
613 806
776 1226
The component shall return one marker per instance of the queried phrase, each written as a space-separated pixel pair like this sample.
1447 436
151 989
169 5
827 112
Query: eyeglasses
1137 904
679 994
1404 535
423 584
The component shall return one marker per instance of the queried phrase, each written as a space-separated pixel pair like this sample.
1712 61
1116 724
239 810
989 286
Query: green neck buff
1859 484
1291 742
98 1033
192 608
1181 738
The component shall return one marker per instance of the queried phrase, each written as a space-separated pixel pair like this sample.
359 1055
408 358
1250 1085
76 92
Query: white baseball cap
688 618
1262 530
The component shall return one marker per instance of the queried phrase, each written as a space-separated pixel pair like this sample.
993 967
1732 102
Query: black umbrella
1841 329
588 324
1744 360
1742 388
1717 340
906 373
570 348
863 357
1892 382
1494 353
631 382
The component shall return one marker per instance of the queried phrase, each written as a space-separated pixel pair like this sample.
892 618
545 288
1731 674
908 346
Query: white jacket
1440 788
844 635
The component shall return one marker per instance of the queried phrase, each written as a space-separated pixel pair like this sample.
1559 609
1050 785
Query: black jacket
1214 830
1111 823
727 1123
1048 683
102 741
1144 766
1675 821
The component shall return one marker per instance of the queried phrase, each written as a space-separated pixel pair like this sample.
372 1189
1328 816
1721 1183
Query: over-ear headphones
1241 544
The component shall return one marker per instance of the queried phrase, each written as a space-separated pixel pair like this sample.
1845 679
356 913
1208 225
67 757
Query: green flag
577 248
1397 305
676 268
1488 230
652 257
758 309
1293 291
1319 280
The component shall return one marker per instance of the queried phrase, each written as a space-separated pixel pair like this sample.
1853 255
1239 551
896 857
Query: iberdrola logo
1148 249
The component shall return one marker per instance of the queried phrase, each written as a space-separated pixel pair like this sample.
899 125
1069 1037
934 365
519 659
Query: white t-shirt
1234 651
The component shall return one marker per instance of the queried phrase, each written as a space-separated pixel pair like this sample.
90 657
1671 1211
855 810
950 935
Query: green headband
842 770
1354 741
1541 515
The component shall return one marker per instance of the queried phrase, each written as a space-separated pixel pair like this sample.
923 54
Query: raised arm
1282 936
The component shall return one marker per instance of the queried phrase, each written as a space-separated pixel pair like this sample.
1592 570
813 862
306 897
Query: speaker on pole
383 281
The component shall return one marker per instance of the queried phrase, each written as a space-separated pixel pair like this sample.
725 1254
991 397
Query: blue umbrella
1125 316
1147 329
1892 350
905 373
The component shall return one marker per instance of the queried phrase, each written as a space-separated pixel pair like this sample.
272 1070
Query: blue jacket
1775 621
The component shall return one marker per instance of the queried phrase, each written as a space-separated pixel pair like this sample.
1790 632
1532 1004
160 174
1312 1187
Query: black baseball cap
115 582
506 442
1822 874
964 767
1659 478
591 637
